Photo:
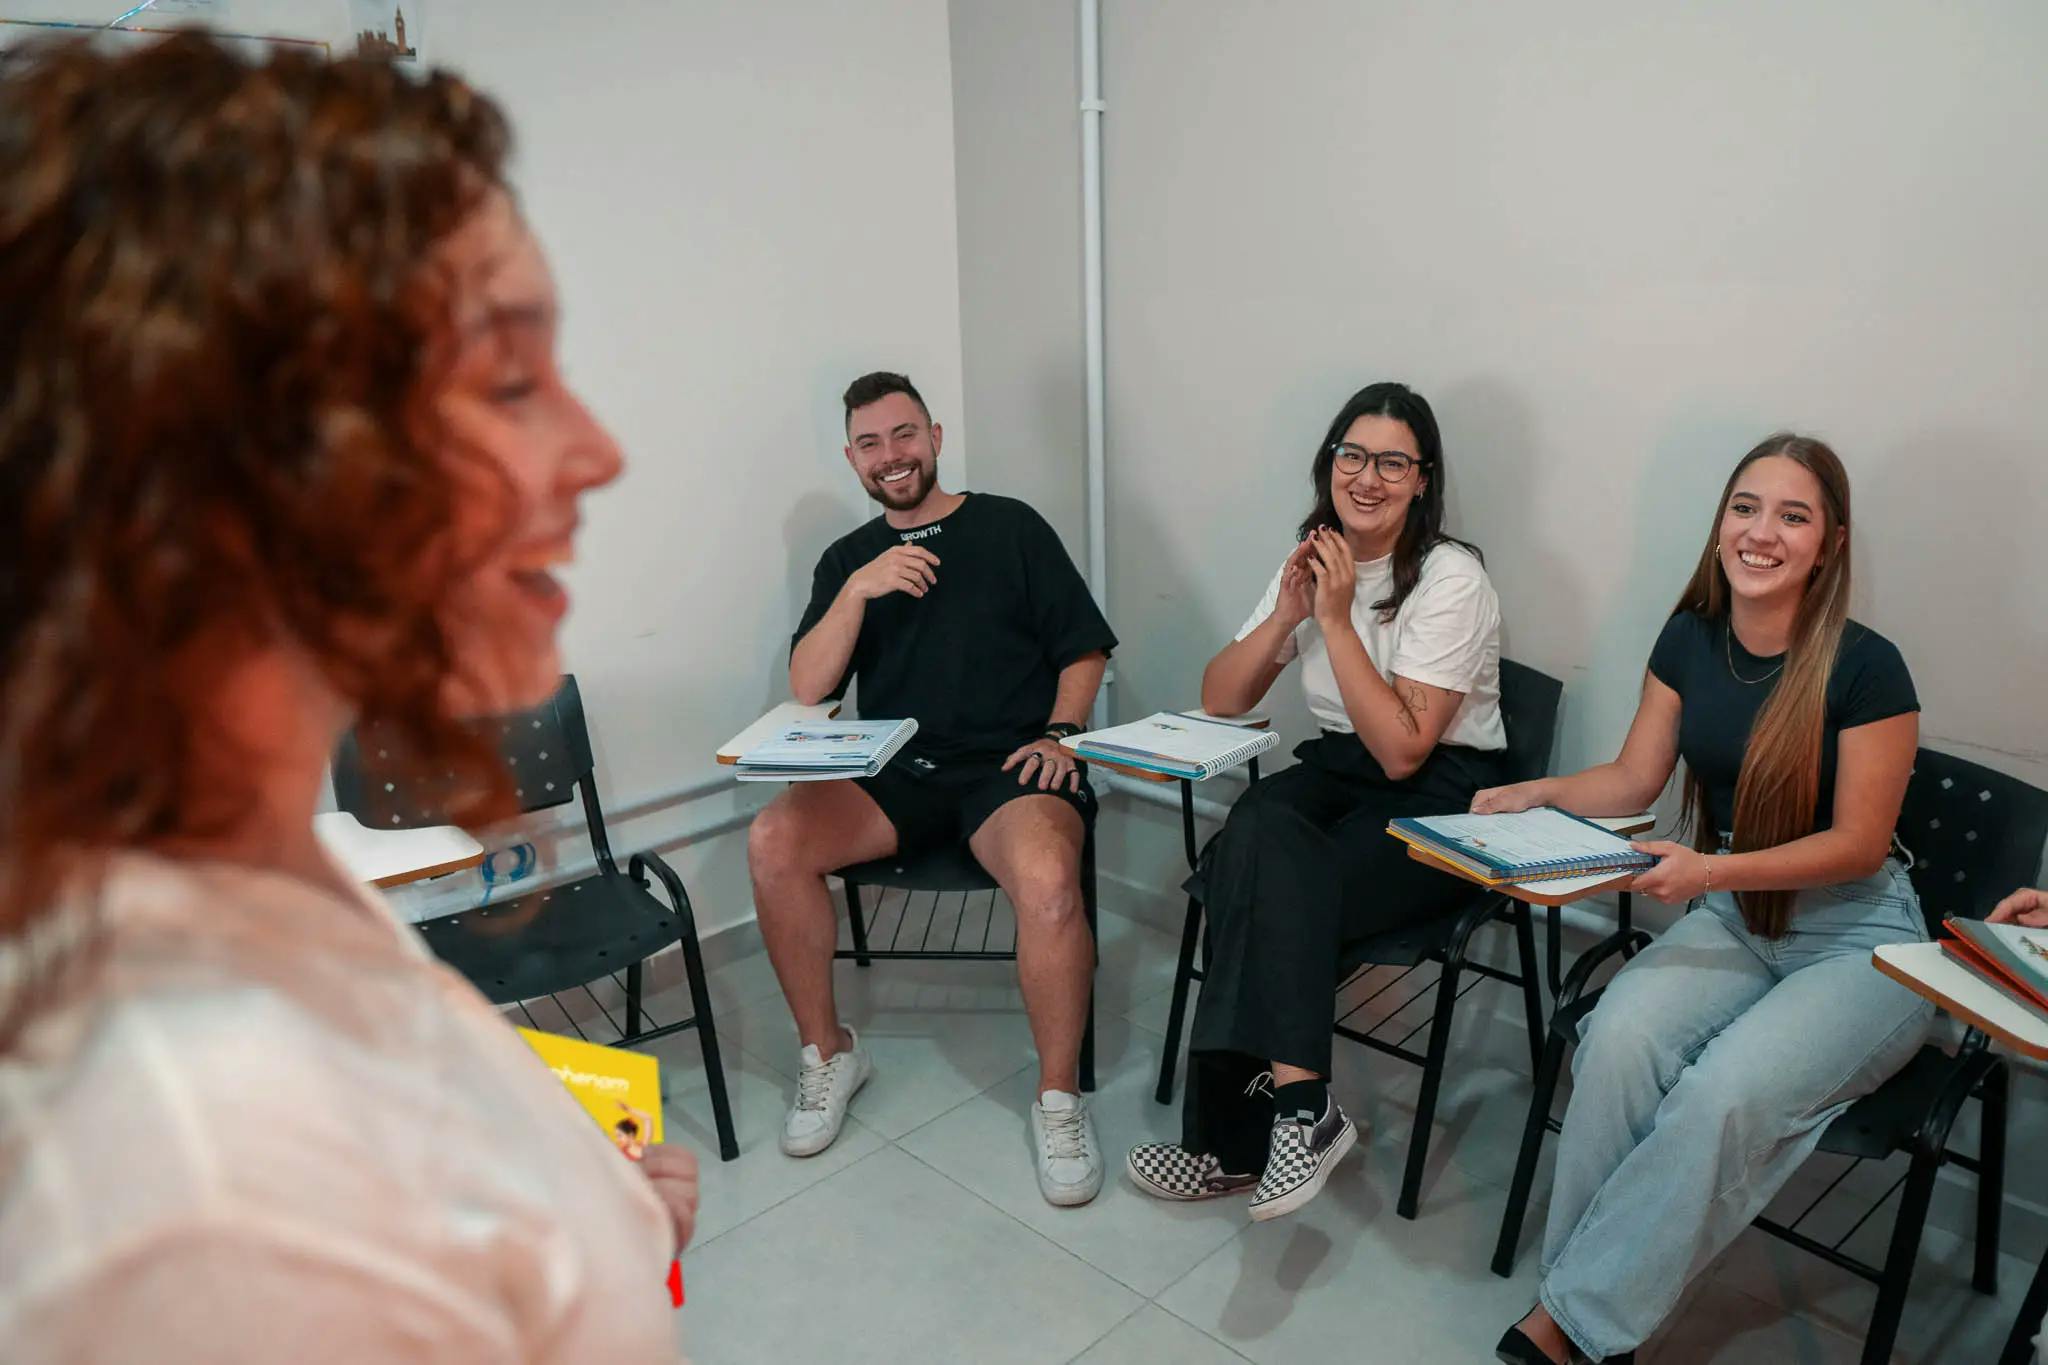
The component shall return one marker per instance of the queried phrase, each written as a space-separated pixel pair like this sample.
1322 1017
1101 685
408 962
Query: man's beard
909 493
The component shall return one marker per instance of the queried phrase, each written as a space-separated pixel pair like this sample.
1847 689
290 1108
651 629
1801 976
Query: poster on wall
391 29
147 24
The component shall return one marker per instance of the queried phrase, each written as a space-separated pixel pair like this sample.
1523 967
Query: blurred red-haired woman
283 445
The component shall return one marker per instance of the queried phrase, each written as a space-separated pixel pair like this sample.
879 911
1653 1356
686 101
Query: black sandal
1516 1349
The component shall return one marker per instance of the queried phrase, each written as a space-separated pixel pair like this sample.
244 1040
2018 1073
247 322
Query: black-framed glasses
1394 465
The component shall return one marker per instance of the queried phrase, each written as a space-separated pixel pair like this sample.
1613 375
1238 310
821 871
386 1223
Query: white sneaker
823 1090
1069 1159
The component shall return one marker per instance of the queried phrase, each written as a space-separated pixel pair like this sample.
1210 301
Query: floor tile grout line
1138 1308
1006 1078
1075 1257
1181 1279
1780 1310
1197 1326
881 1146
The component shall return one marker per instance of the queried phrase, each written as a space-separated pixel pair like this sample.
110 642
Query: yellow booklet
620 1089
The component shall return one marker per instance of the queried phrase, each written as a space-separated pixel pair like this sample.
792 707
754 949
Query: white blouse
267 1125
1447 634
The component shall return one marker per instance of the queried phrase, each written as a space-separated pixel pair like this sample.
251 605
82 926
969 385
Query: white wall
746 206
1017 138
1614 244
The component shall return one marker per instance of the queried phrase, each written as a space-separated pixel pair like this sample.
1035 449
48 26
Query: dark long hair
1424 529
1779 788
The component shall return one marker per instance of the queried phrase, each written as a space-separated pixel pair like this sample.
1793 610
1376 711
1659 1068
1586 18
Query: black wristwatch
1061 729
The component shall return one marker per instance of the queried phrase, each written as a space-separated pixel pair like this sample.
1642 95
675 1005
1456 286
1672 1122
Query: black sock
1311 1097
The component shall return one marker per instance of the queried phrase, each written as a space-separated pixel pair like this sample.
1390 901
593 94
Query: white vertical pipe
1091 267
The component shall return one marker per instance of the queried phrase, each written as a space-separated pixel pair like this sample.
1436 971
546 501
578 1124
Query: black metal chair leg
1532 990
1532 1149
1432 1079
2019 1344
856 917
1991 1175
707 1039
1898 1261
1183 975
632 1003
1094 944
1553 948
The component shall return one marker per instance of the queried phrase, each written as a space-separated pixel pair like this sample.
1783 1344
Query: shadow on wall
1967 616
813 521
1492 443
1677 499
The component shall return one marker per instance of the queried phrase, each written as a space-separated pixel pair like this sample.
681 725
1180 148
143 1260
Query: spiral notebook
1532 845
1174 744
820 751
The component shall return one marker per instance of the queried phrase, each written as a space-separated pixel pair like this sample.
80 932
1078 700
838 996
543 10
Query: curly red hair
216 338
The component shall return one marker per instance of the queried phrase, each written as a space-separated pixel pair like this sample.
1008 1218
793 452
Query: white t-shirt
1447 634
269 1126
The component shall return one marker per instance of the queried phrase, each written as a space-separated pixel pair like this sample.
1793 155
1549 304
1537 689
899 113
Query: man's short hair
873 388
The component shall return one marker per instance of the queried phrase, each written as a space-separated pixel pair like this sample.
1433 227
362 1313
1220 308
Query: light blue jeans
1707 1074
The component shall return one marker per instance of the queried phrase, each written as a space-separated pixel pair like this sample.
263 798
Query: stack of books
2008 956
820 751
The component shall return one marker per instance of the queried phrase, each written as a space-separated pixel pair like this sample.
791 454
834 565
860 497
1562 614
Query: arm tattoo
1414 701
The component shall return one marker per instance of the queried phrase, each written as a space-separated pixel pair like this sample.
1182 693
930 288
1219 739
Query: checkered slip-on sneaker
1300 1159
1166 1170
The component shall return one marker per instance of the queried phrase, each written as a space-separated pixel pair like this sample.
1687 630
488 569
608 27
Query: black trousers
1303 871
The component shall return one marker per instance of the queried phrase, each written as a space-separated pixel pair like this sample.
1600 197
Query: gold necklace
1728 643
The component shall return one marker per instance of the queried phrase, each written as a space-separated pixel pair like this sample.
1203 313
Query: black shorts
933 806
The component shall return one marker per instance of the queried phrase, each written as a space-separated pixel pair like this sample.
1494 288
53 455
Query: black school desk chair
942 872
1528 701
1975 835
566 936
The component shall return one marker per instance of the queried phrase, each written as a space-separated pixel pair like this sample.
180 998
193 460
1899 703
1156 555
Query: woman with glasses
1398 632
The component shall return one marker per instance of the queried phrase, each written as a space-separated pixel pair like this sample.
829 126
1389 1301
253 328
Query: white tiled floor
919 1236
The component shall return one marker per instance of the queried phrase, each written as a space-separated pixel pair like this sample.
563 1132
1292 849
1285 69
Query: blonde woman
1718 1056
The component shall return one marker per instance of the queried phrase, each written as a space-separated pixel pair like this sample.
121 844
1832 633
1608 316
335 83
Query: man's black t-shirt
976 660
1699 659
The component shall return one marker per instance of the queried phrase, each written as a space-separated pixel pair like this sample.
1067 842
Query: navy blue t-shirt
1717 708
976 660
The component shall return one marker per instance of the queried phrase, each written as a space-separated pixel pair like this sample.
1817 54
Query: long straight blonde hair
1779 789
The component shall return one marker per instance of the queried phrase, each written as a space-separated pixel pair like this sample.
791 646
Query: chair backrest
1975 835
546 751
1528 708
